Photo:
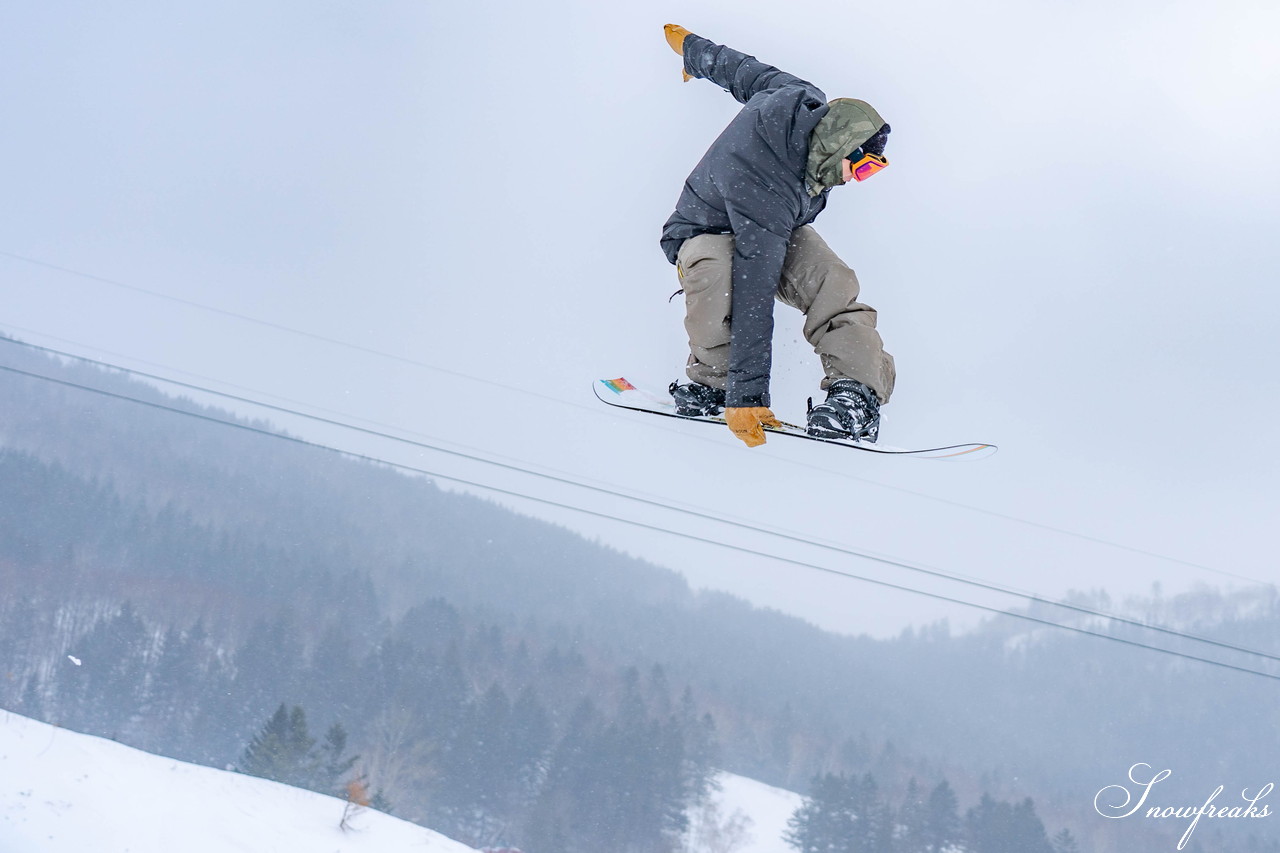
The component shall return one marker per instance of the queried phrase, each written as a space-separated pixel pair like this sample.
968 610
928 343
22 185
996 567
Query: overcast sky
1073 256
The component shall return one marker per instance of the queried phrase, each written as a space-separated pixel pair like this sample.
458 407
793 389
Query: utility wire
560 401
643 525
280 327
695 511
257 401
1049 528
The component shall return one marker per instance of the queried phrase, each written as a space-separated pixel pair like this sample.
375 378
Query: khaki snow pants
841 329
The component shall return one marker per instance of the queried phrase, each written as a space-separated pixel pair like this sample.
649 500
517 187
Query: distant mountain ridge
204 528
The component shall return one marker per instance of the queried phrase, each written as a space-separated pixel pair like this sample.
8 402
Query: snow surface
768 809
64 792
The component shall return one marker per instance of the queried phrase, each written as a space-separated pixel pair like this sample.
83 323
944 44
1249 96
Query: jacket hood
847 124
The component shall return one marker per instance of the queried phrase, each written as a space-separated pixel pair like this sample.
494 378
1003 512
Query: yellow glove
748 424
675 37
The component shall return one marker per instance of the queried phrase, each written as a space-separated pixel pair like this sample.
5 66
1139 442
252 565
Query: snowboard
624 395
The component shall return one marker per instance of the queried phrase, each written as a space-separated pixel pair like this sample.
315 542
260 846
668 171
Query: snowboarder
740 237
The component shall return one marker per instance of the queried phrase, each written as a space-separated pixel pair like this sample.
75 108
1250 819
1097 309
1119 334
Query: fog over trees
232 599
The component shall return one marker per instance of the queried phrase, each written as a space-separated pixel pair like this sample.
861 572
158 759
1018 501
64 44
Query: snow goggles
866 165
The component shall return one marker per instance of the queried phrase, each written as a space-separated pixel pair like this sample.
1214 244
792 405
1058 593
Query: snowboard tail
623 394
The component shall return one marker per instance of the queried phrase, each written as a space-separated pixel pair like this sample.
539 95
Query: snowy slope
62 792
765 807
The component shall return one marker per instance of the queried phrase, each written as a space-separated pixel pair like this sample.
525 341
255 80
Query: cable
643 525
290 329
697 512
1048 528
368 350
206 390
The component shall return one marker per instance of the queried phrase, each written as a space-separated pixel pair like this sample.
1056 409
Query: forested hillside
176 584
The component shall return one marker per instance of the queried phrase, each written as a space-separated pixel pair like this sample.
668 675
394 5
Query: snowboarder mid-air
741 237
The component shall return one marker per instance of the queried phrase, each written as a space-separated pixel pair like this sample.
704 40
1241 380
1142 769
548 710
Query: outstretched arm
741 75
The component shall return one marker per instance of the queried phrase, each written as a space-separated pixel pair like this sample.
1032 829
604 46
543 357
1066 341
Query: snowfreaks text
1105 802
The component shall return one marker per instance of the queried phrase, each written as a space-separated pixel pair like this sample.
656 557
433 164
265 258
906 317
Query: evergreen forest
231 598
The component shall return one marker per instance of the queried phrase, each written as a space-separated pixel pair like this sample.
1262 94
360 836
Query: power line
280 327
206 390
695 511
643 525
560 401
1049 528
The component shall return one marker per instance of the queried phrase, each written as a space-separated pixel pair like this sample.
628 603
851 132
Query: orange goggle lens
868 166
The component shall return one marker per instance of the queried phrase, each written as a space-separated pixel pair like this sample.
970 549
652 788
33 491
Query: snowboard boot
696 400
851 410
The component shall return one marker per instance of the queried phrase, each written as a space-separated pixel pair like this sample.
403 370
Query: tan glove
675 37
748 424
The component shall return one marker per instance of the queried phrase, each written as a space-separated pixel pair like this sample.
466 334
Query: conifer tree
267 667
941 826
911 820
107 689
1065 842
557 815
827 820
999 827
477 778
335 764
282 750
531 742
874 828
701 749
285 751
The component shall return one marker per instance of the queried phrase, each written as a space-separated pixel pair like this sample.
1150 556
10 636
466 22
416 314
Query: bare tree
357 802
711 832
397 763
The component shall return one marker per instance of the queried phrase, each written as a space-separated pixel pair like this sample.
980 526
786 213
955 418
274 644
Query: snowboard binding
851 410
696 400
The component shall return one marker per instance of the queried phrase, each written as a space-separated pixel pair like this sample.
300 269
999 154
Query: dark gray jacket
750 183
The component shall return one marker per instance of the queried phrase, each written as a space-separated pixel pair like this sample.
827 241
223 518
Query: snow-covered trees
202 577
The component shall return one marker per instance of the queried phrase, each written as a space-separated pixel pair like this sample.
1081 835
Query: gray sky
1073 256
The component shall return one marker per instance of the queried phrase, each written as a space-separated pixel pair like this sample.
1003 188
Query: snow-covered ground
64 792
767 810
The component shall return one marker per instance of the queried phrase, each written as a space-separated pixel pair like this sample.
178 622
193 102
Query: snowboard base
621 393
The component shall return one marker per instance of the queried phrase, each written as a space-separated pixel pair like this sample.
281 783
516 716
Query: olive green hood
847 124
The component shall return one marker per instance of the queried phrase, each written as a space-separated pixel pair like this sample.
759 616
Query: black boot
696 400
851 410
